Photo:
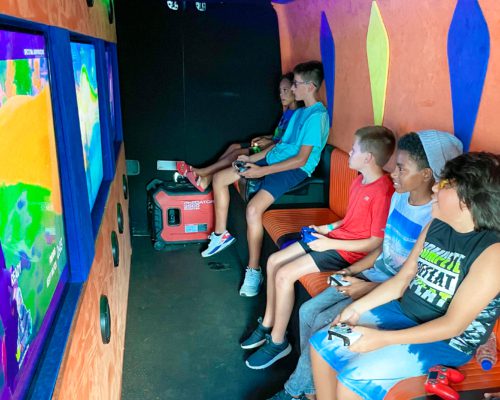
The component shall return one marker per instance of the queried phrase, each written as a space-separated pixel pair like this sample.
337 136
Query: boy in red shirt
337 245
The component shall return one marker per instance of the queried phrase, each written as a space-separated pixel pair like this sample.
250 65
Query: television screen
109 67
32 240
84 69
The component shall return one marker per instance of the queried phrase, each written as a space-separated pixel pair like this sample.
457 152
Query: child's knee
253 214
234 147
283 279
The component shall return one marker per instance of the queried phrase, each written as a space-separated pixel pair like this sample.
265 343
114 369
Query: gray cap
439 147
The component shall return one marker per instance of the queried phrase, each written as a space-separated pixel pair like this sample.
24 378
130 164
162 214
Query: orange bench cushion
280 222
475 378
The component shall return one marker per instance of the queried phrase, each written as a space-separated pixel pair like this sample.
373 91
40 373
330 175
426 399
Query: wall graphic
32 244
84 68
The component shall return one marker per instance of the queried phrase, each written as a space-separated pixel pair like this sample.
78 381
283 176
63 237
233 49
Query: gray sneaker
268 354
252 282
257 338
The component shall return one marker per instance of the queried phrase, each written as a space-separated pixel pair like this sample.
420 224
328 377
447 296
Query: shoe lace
251 278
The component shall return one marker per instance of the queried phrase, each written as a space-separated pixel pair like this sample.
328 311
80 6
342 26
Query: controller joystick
306 234
439 379
344 332
338 280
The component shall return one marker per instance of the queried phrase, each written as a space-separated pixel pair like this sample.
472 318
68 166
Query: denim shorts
372 374
281 182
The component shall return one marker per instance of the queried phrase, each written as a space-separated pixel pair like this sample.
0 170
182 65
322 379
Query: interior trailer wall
423 38
73 15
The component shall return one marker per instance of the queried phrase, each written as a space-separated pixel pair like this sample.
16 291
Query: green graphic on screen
32 245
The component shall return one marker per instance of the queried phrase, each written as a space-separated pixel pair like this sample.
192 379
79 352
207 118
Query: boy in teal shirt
282 167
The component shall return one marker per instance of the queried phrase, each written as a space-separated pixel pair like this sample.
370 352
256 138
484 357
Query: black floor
184 324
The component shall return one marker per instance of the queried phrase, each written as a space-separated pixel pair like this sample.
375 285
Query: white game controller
338 280
344 332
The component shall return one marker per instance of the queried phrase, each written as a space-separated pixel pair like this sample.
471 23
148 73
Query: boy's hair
377 140
476 178
288 76
311 71
412 144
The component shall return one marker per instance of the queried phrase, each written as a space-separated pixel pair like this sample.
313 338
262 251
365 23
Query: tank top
443 264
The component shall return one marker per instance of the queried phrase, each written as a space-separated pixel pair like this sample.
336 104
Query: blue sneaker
251 284
257 338
268 354
218 243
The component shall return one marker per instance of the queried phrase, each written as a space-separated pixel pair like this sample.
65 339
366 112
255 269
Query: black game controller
344 332
306 234
240 166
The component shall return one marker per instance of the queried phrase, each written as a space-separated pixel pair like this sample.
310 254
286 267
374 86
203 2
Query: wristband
330 227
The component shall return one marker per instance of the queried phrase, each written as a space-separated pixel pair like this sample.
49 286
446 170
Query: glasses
444 184
296 83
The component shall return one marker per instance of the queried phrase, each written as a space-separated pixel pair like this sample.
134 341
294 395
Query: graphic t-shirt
404 224
443 264
282 125
307 127
366 214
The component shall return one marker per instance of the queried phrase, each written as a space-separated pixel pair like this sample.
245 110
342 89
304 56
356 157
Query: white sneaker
218 243
251 284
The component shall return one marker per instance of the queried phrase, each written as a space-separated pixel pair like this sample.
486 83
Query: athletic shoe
284 395
257 338
268 354
252 282
218 243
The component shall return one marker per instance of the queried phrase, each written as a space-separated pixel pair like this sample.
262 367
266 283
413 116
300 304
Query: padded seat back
341 177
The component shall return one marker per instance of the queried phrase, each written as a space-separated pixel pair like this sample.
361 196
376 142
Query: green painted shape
377 50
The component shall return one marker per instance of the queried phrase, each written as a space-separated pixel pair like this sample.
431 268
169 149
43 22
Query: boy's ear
428 175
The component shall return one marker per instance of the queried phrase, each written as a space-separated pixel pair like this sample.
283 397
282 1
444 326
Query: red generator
179 213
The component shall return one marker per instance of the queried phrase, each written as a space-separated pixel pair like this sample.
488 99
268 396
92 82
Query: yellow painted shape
377 50
28 149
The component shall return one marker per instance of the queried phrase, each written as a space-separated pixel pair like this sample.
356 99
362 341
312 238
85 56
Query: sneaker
252 282
284 395
218 243
268 354
257 338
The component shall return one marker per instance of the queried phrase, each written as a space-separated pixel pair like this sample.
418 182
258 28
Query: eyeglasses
444 184
296 83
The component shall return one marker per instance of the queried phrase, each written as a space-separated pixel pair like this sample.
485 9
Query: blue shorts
371 375
281 182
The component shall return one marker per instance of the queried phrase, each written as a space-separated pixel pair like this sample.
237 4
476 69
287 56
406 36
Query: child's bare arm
362 245
363 264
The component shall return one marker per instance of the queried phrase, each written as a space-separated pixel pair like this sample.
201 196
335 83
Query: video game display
109 67
84 69
32 239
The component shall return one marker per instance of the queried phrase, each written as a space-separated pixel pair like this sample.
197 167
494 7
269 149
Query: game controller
306 234
338 280
344 332
240 166
438 381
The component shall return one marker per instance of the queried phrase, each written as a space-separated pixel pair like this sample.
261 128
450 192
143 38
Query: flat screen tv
33 260
84 69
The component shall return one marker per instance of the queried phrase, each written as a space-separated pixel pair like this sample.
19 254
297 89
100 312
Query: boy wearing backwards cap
420 158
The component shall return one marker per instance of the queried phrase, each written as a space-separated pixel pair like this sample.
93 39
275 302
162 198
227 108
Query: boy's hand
323 229
243 158
349 315
253 171
358 287
262 142
322 243
371 339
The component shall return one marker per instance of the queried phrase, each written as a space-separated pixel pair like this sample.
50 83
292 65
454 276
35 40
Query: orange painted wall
418 91
73 15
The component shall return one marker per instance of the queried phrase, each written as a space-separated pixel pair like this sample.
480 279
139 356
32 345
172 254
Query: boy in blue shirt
282 167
